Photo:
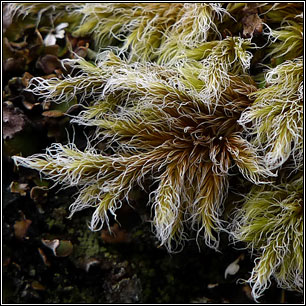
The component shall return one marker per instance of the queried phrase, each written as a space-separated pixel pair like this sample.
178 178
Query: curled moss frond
207 79
145 27
166 132
140 28
193 27
212 64
88 82
196 25
230 50
103 181
288 41
25 9
46 12
216 65
270 222
276 116
277 13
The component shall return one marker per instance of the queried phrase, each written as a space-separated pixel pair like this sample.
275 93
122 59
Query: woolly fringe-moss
171 93
166 130
270 222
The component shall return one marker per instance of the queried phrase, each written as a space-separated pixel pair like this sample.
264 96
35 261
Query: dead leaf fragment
248 291
82 51
53 113
14 121
44 257
117 235
252 23
6 18
51 244
26 79
64 249
37 286
90 262
21 228
14 64
28 105
39 194
60 248
211 286
20 188
233 267
48 63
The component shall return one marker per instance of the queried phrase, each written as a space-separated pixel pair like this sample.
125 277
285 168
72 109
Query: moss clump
271 223
177 102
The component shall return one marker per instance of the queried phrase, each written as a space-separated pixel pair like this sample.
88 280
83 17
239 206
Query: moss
176 103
